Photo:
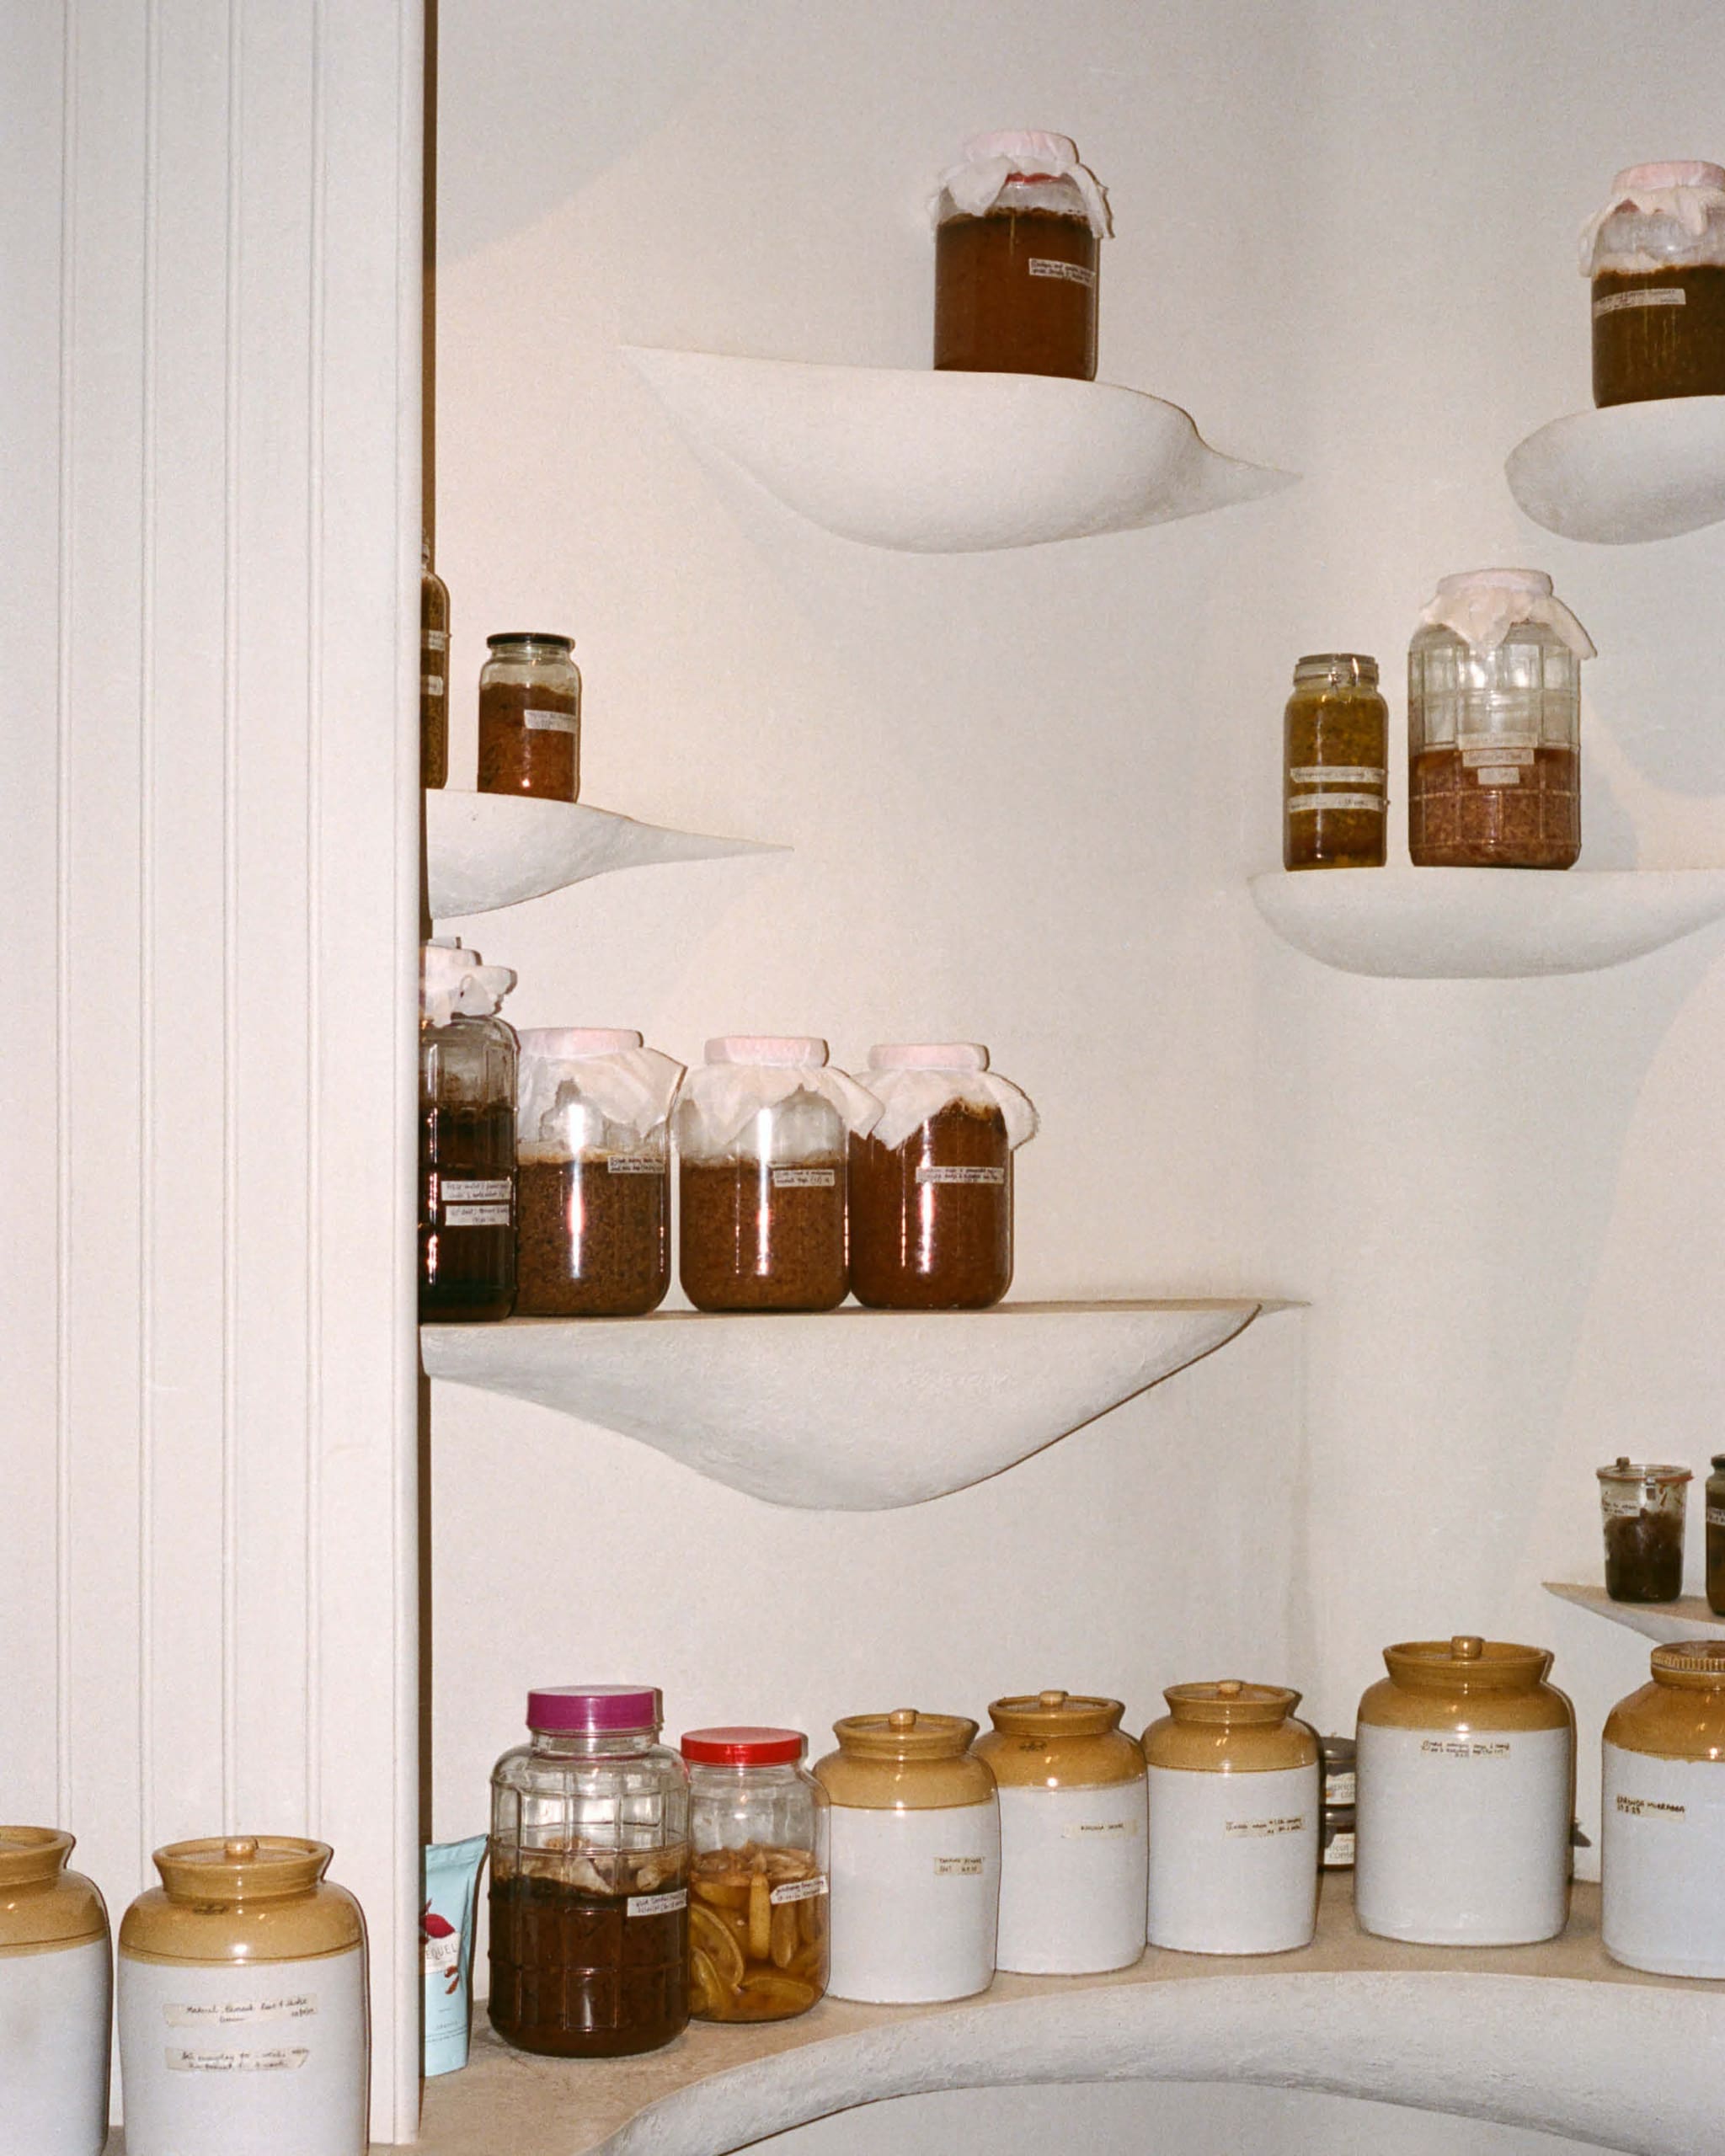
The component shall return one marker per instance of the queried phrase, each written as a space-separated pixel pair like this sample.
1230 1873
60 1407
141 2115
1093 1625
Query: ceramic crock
1662 1854
55 1985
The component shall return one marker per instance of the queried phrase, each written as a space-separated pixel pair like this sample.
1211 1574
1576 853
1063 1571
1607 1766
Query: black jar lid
531 635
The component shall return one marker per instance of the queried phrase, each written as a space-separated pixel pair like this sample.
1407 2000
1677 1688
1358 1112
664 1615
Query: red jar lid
743 1746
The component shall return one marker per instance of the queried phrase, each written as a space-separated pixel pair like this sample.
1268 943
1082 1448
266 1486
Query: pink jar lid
782 1051
1659 177
743 1746
593 1710
928 1056
569 1044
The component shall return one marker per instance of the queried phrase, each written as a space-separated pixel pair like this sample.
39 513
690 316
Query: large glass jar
434 671
466 1138
593 1173
1335 758
1494 725
932 1183
1656 257
590 1878
530 716
757 1921
1018 228
1716 1536
763 1131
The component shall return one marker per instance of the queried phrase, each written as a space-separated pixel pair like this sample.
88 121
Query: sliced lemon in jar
712 1938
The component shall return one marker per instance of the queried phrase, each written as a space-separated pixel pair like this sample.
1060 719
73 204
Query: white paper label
430 685
958 1867
1716 1515
1340 1852
1657 296
284 2060
1620 1504
1086 1830
804 1178
435 639
1259 1830
658 1905
474 1193
800 1889
637 1163
1498 753
1497 775
477 1216
1308 804
986 1178
551 721
226 2013
1341 1789
1337 774
1494 747
1073 273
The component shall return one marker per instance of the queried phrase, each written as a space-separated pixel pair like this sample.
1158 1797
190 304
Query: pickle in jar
757 1927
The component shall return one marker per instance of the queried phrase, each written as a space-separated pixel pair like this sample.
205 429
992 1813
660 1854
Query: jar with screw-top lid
467 1076
1070 1783
1662 1860
1235 1802
530 716
916 1839
1466 1795
758 1876
1655 257
243 2004
55 1985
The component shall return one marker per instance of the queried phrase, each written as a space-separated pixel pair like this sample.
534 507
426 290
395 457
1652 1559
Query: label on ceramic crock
54 2051
271 2060
914 1897
1073 1879
1463 1840
1233 1859
1662 1867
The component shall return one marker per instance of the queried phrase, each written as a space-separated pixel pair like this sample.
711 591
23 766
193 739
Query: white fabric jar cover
988 161
1692 195
625 1088
744 1073
1483 605
457 983
916 1081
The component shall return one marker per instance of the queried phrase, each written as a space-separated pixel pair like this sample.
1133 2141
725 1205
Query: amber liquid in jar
1015 293
594 1235
434 679
932 1220
1520 811
527 741
754 1237
1670 343
757 1934
580 1973
467 1168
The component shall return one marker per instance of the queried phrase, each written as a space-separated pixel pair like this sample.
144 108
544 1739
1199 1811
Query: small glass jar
1018 228
593 1173
932 1183
1335 761
1716 1536
434 671
468 1065
590 1878
55 1991
530 716
757 1921
1655 255
1644 1507
1337 1758
1494 725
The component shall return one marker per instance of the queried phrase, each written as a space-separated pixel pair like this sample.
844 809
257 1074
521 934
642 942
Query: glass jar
1662 1859
1644 1507
434 671
763 1130
1656 257
467 1058
932 1183
593 1173
55 1985
1494 725
1340 1784
1716 1536
757 1921
590 1878
530 716
1018 228
1335 760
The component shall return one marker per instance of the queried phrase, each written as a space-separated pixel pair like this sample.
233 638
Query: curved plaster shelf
850 1410
1485 924
1627 473
1554 2037
1690 1619
487 850
949 463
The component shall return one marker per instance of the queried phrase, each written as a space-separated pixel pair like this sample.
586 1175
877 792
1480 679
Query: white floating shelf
1688 1619
1627 473
487 850
1485 924
850 1409
948 463
1557 2038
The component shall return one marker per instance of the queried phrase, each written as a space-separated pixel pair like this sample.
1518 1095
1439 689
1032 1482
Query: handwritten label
958 1867
469 1192
1649 1807
283 2060
1308 804
1086 1830
800 1889
1467 1747
225 2014
1337 774
551 721
637 1163
1073 273
1657 296
658 1905
1259 1830
804 1178
986 1178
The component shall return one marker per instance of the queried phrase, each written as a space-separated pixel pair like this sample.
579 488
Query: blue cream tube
446 1937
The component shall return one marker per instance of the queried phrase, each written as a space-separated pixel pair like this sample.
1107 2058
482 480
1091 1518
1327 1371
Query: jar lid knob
1231 1687
1466 1647
1622 1462
1051 1699
902 1718
239 1848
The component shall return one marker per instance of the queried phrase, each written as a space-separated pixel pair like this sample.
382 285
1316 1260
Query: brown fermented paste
576 1975
594 1239
1642 351
434 679
932 1220
466 1272
1455 822
1644 1557
1015 293
517 758
752 1237
1346 729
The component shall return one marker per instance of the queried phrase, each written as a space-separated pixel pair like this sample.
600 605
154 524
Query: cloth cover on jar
745 1074
1483 605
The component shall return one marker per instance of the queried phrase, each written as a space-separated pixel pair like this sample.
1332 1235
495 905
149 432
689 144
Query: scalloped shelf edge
1688 1619
1626 474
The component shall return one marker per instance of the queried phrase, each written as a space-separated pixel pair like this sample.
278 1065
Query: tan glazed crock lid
1465 1682
1059 1740
1681 1714
905 1762
249 1898
1230 1727
43 1906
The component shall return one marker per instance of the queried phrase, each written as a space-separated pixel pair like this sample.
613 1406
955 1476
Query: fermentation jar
763 1130
590 1878
1466 1796
467 1058
916 1858
1235 1799
1335 760
1018 230
1494 725
434 671
1656 256
1662 1863
932 1183
530 716
757 1915
1072 1834
593 1173
1340 1786
1644 1507
55 1986
1716 1536
243 2007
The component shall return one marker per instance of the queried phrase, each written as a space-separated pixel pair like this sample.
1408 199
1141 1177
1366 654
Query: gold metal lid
905 1761
1230 1727
1059 1740
43 1906
244 1898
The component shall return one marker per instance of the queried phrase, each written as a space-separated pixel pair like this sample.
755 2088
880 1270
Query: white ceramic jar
55 1983
916 1839
1072 1834
1466 1796
243 2004
1662 1854
1235 1801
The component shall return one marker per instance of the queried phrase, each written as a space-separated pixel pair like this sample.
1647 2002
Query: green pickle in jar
1335 760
